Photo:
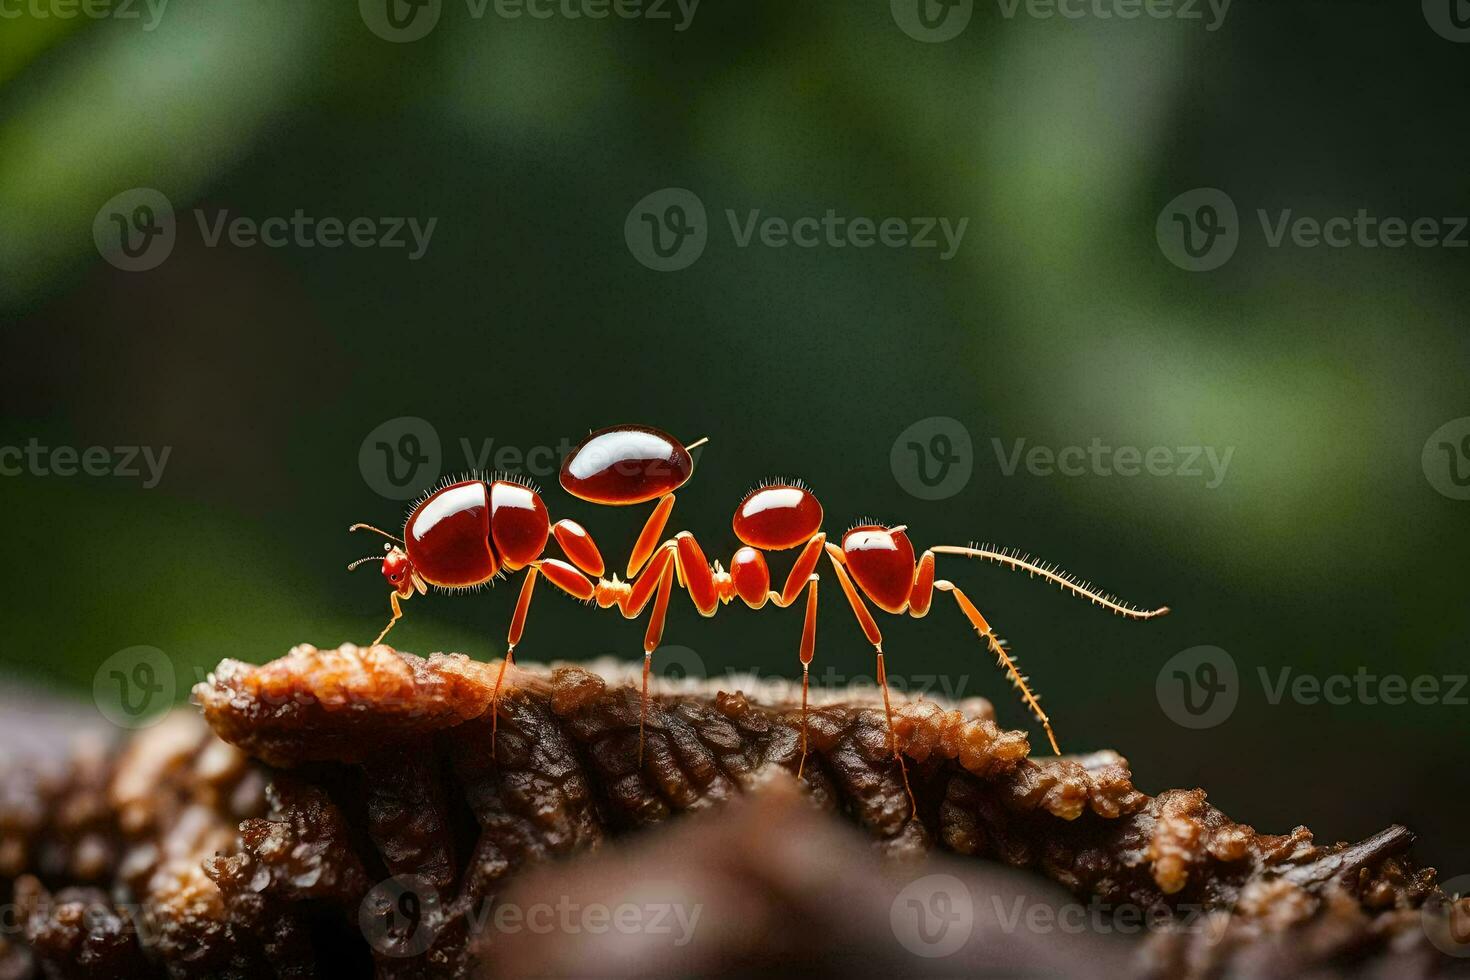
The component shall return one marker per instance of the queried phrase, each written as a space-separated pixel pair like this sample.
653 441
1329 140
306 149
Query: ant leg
397 615
922 593
801 570
997 647
807 650
512 637
566 578
578 545
651 640
750 579
870 629
631 599
653 529
695 574
1016 561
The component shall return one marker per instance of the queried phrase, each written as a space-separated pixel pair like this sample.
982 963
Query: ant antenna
369 527
363 561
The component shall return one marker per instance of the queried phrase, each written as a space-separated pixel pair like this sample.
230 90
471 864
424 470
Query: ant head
398 571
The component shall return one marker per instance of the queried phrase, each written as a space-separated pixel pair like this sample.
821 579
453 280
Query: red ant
467 532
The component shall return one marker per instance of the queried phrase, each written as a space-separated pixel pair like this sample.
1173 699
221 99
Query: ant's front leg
397 615
559 574
649 537
512 637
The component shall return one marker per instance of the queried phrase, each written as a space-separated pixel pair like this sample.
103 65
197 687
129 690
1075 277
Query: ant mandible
467 532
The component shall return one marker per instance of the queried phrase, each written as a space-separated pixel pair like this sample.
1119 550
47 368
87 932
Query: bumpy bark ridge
379 764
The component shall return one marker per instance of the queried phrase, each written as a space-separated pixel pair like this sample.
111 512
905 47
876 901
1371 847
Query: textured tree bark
343 810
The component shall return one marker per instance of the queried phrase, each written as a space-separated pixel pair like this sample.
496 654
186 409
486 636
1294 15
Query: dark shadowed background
1332 544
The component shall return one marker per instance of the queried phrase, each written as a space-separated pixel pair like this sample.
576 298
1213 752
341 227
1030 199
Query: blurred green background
528 321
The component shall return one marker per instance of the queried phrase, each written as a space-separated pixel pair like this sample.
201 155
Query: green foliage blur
1059 320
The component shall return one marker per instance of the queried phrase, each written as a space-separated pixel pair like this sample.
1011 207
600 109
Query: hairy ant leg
997 647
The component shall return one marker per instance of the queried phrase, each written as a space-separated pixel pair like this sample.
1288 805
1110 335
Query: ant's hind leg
397 615
1006 661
